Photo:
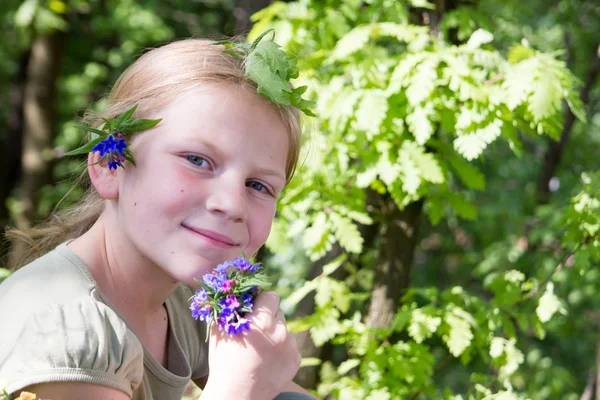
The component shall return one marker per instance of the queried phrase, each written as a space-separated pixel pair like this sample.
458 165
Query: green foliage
403 113
271 69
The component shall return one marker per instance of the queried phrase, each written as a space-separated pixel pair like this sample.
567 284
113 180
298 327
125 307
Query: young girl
104 312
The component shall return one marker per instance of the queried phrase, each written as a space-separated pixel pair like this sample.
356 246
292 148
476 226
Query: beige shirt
56 326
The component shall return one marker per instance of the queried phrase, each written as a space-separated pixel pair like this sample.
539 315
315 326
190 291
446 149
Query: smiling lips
214 238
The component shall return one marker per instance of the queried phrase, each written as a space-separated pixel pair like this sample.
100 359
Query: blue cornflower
121 146
114 149
114 164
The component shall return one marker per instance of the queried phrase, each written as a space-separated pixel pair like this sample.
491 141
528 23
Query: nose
228 200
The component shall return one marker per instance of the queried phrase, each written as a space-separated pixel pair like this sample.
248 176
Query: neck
136 286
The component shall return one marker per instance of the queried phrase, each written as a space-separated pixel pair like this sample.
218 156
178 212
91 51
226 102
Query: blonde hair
155 80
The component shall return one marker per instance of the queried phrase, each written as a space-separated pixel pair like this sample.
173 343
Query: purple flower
247 300
228 285
223 267
238 327
220 298
231 302
215 281
200 311
201 295
225 317
245 266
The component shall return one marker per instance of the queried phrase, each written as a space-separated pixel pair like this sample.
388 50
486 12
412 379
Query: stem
556 269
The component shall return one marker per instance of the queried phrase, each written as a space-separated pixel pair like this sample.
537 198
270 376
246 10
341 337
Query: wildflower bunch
227 294
111 139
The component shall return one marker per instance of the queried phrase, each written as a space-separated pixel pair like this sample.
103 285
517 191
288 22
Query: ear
104 180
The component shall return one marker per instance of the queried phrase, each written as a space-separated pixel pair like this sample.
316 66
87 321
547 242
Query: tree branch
554 152
556 269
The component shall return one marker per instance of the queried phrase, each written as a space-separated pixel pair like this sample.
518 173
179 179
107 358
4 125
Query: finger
267 302
280 316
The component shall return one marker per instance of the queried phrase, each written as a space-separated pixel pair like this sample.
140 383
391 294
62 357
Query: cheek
260 225
158 194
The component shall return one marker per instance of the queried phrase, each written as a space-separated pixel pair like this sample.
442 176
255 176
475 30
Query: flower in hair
227 295
110 141
114 149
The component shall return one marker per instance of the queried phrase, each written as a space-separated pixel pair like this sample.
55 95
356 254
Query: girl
104 313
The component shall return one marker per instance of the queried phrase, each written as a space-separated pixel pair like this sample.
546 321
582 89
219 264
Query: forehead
229 116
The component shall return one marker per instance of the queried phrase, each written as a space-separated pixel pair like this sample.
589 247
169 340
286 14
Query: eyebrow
266 171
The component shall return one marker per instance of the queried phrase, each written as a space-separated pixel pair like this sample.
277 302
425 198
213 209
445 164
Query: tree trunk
11 144
307 377
38 123
243 12
398 238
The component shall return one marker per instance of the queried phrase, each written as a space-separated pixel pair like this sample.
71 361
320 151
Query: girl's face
206 182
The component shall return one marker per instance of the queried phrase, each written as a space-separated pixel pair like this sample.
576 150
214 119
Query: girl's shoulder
55 278
55 328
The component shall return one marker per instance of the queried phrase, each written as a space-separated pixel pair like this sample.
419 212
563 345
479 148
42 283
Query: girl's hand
257 364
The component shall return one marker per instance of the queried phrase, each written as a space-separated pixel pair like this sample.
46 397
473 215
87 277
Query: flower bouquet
227 293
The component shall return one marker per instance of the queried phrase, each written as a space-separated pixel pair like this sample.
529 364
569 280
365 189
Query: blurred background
441 238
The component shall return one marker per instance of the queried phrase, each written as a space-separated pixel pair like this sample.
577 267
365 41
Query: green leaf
422 82
351 42
371 111
86 148
464 208
478 38
125 116
546 97
419 124
326 326
428 165
26 13
310 362
459 336
323 293
136 125
519 53
469 146
423 325
271 69
347 365
435 210
548 304
332 266
98 132
347 233
468 173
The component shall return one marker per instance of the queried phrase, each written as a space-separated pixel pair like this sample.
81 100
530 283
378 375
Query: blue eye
256 186
197 160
